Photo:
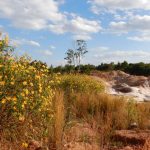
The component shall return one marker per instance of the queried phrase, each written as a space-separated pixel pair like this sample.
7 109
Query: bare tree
81 50
70 57
75 56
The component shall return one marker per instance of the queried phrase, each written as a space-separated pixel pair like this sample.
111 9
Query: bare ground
82 136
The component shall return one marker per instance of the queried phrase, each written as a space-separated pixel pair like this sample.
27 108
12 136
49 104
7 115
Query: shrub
26 100
80 83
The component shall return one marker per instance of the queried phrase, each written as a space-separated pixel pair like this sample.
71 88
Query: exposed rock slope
120 83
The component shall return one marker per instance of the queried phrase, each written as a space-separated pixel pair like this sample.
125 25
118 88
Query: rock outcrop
120 83
133 139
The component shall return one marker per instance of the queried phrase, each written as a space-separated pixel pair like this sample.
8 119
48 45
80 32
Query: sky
115 30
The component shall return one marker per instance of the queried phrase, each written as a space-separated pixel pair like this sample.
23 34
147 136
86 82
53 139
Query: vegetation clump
80 83
37 104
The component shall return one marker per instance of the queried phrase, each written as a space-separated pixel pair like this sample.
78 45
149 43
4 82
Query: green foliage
80 83
135 69
75 56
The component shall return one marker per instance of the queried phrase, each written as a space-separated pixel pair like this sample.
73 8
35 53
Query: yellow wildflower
8 98
26 91
24 83
3 101
12 83
14 108
32 92
40 89
22 94
14 98
37 77
21 118
2 83
31 84
22 106
25 145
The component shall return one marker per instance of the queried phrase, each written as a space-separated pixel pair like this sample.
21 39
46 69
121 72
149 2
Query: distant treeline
131 68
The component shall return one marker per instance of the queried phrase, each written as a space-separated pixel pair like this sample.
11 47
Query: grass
109 113
36 105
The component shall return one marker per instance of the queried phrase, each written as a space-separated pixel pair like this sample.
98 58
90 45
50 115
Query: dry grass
59 119
103 112
107 113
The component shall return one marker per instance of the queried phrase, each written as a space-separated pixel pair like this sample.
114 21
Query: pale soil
120 83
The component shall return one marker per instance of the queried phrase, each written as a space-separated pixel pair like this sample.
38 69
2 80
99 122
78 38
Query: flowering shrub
26 100
80 83
23 89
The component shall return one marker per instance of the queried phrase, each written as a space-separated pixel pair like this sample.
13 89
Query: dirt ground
82 136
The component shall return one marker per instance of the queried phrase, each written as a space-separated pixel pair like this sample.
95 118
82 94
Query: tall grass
36 105
59 119
108 113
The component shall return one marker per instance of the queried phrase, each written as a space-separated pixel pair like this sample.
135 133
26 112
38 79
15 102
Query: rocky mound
120 83
132 139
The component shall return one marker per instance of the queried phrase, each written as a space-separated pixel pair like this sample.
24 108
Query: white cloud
137 23
100 49
105 54
144 37
34 43
52 46
80 27
35 14
120 55
129 16
39 14
47 52
79 24
81 36
98 6
19 42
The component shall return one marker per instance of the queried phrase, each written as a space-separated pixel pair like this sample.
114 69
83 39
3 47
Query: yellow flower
12 83
32 92
26 91
40 89
31 84
2 83
22 94
24 83
14 98
8 98
25 145
22 106
37 77
14 108
3 101
21 118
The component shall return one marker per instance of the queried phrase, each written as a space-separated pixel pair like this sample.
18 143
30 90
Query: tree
70 57
75 56
81 50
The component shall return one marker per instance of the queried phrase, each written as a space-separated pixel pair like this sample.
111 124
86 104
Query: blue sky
115 30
